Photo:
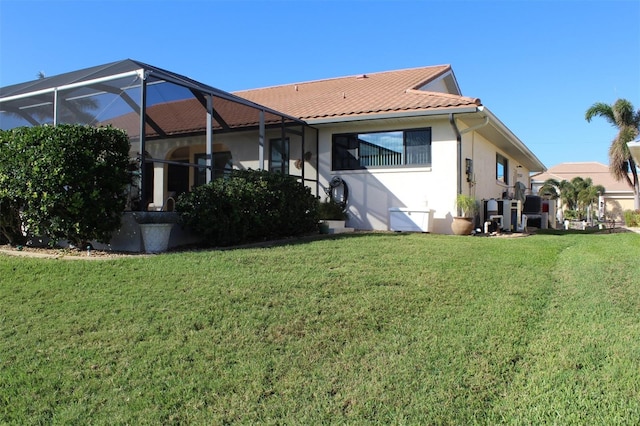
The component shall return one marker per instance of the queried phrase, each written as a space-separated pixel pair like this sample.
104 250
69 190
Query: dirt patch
63 253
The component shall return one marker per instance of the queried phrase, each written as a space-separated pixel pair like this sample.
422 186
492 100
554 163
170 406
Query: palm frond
623 113
550 189
619 160
600 109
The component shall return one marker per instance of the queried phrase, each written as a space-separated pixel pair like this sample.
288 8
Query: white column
159 177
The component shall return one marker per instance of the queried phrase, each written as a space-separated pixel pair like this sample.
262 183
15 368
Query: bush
330 210
571 214
248 206
63 182
10 222
632 218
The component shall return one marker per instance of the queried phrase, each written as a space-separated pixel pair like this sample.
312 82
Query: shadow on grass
292 241
588 231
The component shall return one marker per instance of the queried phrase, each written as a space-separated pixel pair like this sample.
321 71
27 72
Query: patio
183 133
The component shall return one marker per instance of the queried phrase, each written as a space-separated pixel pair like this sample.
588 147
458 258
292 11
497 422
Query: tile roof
598 172
189 116
376 93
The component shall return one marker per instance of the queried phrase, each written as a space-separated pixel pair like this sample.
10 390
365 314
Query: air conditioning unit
410 219
508 213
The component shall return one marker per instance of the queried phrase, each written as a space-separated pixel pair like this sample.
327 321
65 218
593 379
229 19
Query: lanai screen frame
43 101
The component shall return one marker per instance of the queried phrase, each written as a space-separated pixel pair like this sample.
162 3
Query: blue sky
538 65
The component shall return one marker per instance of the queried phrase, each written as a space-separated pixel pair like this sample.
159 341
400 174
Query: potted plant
332 215
463 224
155 228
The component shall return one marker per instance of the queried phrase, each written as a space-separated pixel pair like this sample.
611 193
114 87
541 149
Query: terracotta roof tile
360 95
375 93
188 116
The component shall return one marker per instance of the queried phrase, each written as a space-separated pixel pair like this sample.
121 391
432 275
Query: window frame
284 161
502 162
199 173
346 149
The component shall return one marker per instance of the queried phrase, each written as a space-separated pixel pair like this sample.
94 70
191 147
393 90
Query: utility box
410 219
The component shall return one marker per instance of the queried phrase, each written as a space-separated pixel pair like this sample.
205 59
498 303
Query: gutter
517 143
377 116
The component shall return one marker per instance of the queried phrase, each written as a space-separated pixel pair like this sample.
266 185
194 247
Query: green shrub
249 205
10 222
68 182
632 218
571 214
330 210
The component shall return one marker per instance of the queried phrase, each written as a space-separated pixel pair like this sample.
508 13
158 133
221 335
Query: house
634 149
617 198
405 139
399 141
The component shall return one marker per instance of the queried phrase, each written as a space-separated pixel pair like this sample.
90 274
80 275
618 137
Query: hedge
249 206
62 182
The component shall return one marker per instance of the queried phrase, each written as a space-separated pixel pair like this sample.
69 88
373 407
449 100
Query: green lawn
357 329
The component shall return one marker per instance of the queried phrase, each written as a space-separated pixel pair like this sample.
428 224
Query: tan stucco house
403 142
362 118
617 198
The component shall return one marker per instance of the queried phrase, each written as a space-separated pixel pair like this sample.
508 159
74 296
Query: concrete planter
155 236
334 227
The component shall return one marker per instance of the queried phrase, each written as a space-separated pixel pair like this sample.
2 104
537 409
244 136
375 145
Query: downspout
454 126
459 134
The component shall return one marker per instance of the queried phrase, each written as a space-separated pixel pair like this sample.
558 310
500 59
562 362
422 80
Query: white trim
634 149
400 114
72 85
515 141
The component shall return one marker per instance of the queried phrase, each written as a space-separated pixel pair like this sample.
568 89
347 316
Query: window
502 169
221 162
353 151
279 155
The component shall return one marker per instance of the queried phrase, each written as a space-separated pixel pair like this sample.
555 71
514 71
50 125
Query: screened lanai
183 133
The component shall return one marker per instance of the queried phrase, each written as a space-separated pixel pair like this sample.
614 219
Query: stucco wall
373 191
485 184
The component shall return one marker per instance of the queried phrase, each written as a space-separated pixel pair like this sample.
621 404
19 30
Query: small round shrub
632 218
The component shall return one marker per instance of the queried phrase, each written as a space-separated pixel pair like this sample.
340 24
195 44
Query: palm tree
549 189
621 115
569 193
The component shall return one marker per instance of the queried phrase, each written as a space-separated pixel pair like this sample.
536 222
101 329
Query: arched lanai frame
164 113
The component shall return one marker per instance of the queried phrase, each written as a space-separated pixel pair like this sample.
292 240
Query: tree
549 189
621 115
579 194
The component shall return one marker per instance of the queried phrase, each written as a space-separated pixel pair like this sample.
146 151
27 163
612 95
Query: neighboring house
617 198
634 149
399 139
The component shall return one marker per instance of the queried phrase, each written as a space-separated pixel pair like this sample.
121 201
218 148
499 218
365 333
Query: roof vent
362 76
